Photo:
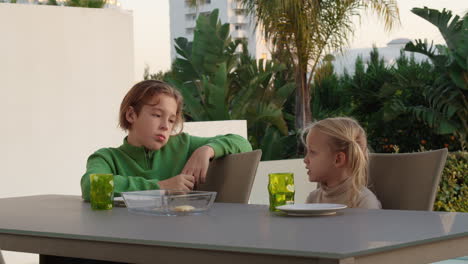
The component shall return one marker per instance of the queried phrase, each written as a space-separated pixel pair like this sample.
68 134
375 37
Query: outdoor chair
232 176
406 181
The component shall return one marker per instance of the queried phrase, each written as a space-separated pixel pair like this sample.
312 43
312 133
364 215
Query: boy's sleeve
122 183
222 144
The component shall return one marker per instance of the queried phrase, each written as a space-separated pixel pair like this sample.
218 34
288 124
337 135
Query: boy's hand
183 182
197 164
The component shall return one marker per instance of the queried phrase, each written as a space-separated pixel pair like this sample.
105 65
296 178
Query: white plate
311 209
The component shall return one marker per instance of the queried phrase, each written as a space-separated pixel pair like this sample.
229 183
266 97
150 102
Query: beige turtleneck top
340 195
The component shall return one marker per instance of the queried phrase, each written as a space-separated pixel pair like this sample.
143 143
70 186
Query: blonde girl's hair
141 93
346 135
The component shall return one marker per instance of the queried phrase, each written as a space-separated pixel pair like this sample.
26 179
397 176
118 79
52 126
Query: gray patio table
230 233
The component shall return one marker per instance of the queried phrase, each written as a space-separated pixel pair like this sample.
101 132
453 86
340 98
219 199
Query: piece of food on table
183 208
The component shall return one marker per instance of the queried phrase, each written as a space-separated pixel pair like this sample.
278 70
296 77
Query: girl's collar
338 189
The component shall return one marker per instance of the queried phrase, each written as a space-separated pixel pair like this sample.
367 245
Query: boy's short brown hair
141 93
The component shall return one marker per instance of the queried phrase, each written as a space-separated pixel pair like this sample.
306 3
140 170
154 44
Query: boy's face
153 126
319 158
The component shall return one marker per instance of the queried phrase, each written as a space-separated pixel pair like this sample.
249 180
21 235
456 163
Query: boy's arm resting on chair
202 149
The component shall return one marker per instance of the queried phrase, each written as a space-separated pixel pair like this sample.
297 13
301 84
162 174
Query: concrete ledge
302 185
214 128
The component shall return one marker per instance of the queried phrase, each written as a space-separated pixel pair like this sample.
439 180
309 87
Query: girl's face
153 126
319 160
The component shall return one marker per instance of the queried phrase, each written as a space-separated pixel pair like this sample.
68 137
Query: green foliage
447 96
86 3
219 83
382 99
393 103
160 75
73 3
329 97
452 192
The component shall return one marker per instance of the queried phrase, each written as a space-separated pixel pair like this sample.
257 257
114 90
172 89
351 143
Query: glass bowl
169 202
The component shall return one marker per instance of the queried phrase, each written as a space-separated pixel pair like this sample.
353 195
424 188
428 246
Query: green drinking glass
280 189
102 191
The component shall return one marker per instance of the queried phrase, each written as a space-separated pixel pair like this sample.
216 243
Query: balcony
239 19
236 5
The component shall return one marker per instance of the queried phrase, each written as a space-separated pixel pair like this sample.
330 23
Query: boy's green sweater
136 168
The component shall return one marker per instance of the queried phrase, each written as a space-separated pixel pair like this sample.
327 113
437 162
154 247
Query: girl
337 158
154 155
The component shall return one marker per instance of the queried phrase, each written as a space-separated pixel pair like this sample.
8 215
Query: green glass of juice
280 189
102 191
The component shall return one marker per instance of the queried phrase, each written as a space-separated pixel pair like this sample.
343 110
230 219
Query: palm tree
304 31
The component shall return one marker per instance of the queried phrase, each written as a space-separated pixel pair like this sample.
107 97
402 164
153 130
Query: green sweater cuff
218 150
154 184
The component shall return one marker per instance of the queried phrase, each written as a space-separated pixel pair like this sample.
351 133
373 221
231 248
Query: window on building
207 2
240 12
238 27
189 31
190 17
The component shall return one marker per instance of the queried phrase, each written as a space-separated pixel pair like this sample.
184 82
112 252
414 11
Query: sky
152 29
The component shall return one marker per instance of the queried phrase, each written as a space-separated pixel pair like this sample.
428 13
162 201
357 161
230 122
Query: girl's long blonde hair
346 135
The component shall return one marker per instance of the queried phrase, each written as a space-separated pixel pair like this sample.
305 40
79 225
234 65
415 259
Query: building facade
390 53
183 21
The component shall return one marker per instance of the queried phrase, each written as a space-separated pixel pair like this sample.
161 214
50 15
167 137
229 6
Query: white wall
63 73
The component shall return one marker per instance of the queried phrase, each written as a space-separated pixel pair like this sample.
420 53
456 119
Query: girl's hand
197 164
182 182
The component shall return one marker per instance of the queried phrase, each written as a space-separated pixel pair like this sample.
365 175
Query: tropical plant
303 31
329 97
86 3
220 81
201 70
448 95
382 97
258 94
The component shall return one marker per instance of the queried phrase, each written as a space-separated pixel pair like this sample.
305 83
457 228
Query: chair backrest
406 181
232 176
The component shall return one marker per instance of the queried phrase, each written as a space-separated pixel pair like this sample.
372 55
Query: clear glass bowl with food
169 202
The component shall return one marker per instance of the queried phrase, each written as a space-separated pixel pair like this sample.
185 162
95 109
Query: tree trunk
303 112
